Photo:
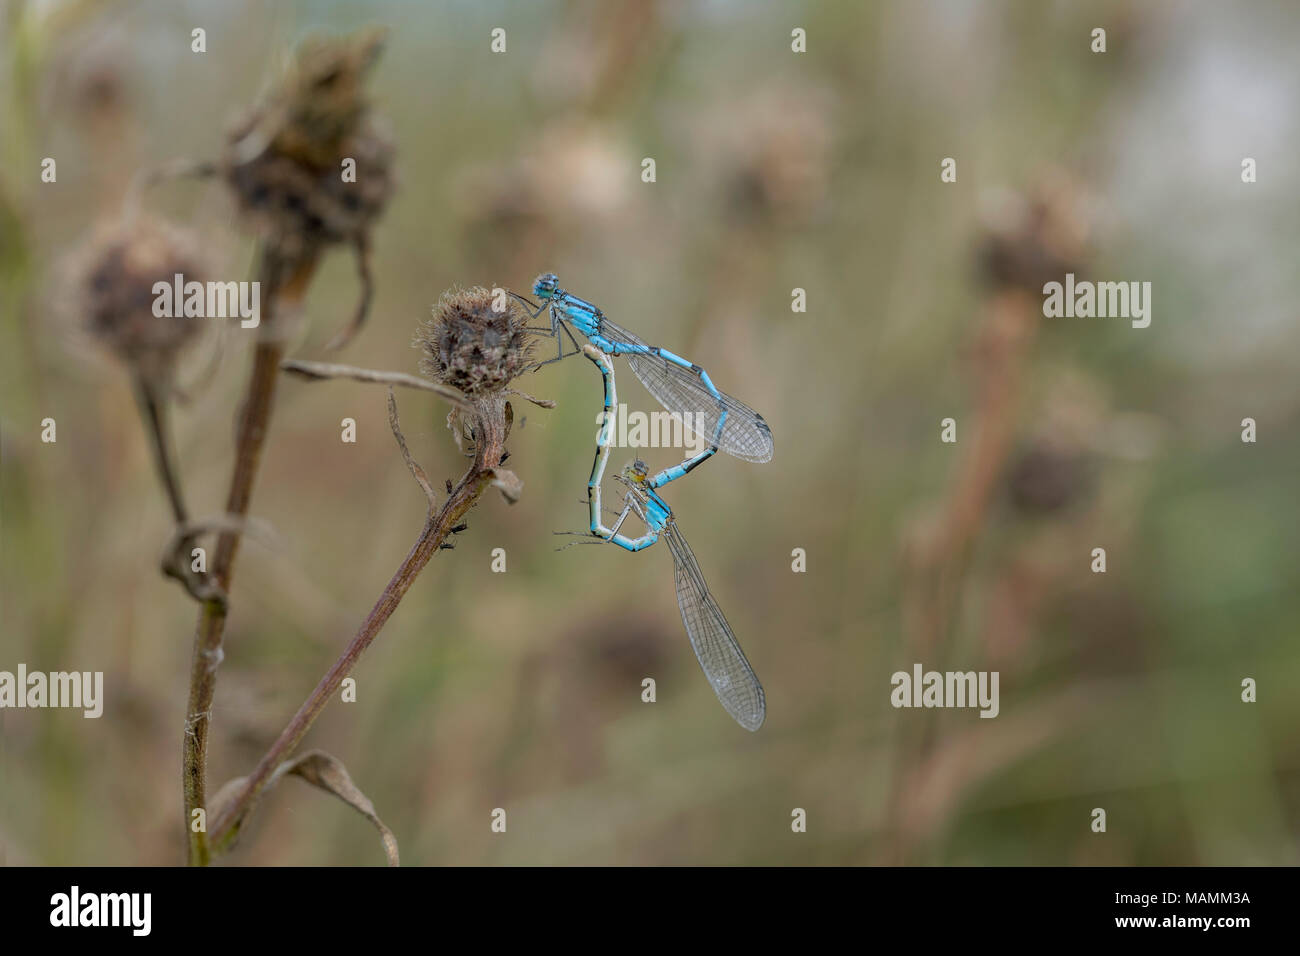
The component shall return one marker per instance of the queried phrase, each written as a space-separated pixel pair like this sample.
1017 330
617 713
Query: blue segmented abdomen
679 385
686 389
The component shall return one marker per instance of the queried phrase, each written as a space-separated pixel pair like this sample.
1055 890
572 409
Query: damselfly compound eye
545 286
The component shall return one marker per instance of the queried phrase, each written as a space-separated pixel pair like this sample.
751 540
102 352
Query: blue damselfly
681 386
720 656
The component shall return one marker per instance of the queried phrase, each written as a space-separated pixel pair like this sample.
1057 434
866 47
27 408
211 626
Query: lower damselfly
716 648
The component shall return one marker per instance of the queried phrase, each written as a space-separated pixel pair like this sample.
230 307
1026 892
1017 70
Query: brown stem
361 248
939 562
489 426
281 290
411 464
155 419
1002 352
319 371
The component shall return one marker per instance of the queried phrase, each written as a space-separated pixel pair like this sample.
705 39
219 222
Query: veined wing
744 433
715 646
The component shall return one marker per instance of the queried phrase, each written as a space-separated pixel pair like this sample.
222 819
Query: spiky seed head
112 277
321 102
284 160
302 209
1049 477
1033 238
475 341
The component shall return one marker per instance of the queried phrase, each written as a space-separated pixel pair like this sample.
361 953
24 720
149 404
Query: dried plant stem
153 411
411 464
361 249
489 423
146 179
254 419
317 371
938 563
1001 353
175 561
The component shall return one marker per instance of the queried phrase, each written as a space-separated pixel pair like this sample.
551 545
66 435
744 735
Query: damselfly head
636 472
546 285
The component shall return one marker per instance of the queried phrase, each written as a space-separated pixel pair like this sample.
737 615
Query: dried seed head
284 160
1046 479
112 296
471 345
322 100
301 209
1028 240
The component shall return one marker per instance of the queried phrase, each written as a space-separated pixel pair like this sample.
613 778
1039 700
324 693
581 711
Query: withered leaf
326 771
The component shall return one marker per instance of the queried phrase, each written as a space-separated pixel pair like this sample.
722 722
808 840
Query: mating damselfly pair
685 390
681 386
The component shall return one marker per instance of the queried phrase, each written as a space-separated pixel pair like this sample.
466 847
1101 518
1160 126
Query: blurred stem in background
253 424
154 412
282 164
1044 241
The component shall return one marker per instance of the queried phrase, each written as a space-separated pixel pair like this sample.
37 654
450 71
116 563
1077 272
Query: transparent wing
715 646
744 434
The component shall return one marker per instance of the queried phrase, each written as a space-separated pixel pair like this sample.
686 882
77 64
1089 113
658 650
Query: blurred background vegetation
775 170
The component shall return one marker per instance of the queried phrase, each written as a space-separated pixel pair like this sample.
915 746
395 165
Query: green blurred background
775 170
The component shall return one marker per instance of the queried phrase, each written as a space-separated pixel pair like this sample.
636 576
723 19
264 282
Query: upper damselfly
681 386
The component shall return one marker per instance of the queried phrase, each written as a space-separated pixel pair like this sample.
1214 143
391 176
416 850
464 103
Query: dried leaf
416 471
461 432
539 402
217 805
508 483
327 772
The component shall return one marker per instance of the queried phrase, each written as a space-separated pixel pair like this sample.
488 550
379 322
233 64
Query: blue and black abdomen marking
716 648
684 388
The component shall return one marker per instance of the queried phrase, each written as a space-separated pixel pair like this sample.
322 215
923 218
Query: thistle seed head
471 345
1046 479
322 101
1034 238
302 209
284 160
112 295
